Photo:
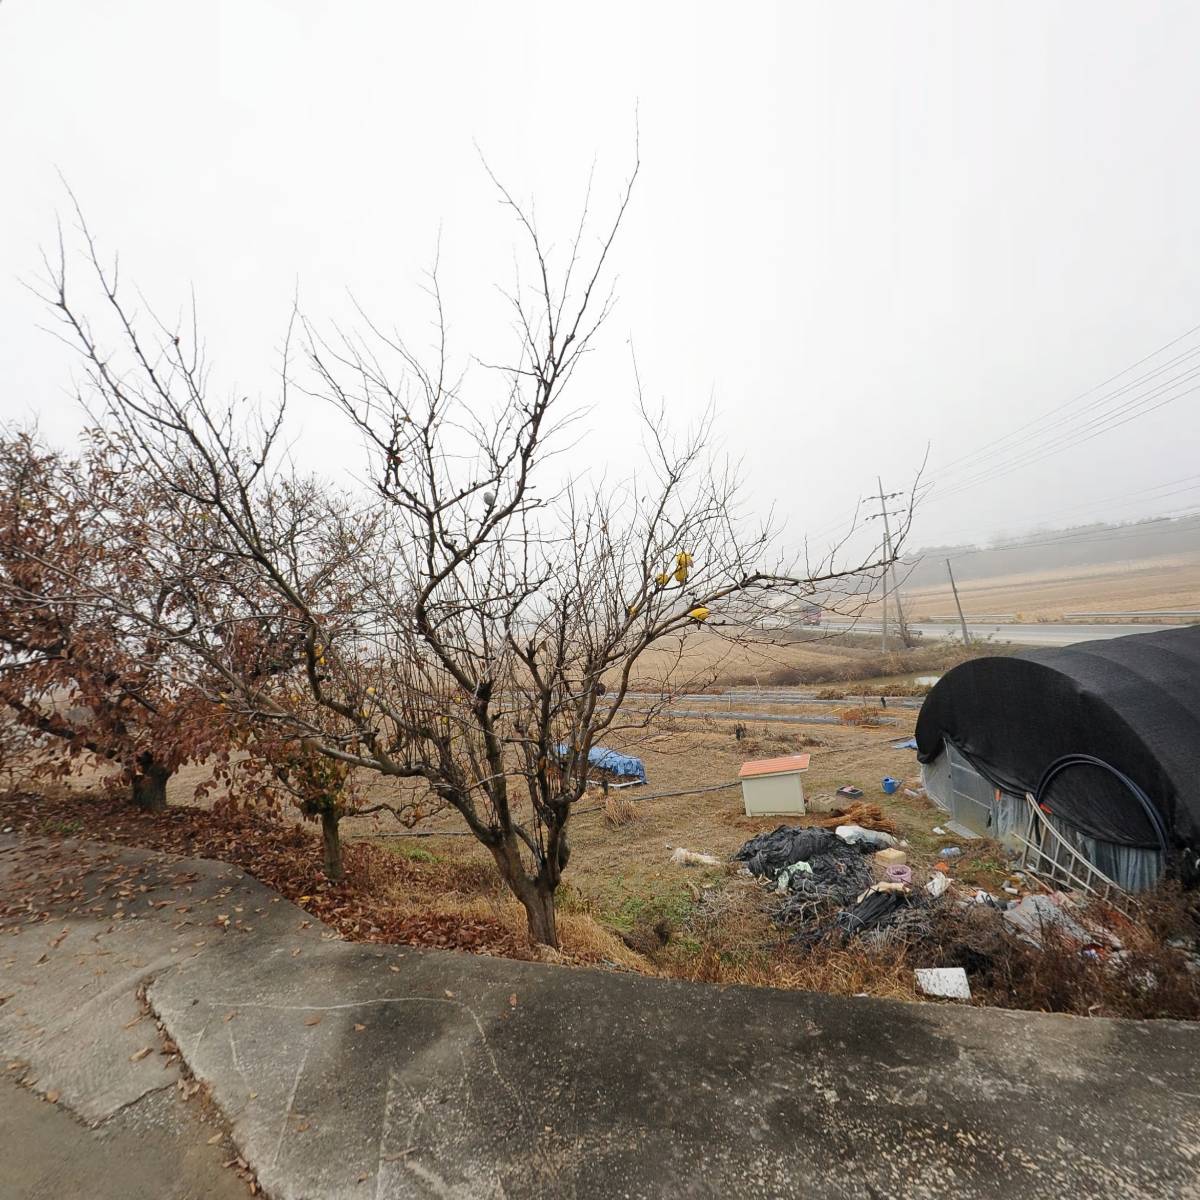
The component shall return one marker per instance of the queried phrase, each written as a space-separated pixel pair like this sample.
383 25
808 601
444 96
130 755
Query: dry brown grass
619 811
862 715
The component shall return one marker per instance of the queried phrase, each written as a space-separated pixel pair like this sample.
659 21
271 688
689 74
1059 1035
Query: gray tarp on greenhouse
1128 708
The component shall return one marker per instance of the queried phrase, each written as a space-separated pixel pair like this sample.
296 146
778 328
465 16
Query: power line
1028 425
1092 430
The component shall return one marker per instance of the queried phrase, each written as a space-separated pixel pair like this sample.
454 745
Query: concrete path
363 1071
155 1149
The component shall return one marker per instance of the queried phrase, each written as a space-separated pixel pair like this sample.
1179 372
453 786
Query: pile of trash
827 878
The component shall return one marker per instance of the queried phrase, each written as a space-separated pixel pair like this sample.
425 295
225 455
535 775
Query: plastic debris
784 879
1035 914
871 908
948 982
907 744
898 873
691 858
937 884
949 852
850 791
939 831
891 857
854 834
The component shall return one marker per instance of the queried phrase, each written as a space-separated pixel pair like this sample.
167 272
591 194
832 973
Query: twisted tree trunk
148 787
331 839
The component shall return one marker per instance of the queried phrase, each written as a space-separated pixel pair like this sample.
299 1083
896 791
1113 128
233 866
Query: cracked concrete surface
365 1071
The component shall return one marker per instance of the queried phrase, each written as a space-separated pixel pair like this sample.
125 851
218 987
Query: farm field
1142 584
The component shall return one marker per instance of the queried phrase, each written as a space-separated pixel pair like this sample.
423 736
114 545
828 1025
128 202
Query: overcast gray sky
859 228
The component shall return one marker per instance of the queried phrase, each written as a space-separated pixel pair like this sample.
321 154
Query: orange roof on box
774 766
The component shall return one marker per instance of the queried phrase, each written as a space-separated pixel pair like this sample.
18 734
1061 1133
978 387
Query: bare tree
471 621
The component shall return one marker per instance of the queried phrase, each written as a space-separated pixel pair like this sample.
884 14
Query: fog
861 231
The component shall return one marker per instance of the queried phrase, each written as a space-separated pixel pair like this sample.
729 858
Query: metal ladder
1047 855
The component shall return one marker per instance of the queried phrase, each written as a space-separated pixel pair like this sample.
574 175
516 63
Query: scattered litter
949 852
889 785
691 858
853 834
982 897
891 857
850 791
915 793
1035 914
949 982
784 879
1012 891
939 831
898 873
873 907
937 884
907 744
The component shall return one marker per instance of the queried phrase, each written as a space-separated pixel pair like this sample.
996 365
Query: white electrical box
773 786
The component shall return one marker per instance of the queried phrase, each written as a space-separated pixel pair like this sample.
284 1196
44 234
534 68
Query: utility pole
961 619
887 548
883 514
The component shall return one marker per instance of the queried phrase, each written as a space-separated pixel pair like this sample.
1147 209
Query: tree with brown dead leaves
83 683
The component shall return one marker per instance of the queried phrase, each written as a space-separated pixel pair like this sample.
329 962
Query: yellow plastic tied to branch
681 574
632 610
662 578
699 613
683 559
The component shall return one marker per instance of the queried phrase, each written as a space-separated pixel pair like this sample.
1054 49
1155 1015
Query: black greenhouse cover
1124 712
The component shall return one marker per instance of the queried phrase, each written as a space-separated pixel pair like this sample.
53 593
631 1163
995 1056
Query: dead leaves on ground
282 855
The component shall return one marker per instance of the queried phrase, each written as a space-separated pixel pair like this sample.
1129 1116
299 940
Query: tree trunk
538 901
536 895
149 786
332 839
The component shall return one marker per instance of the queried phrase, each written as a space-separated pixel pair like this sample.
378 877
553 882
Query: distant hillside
1080 546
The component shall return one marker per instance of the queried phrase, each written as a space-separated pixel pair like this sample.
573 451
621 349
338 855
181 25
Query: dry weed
619 811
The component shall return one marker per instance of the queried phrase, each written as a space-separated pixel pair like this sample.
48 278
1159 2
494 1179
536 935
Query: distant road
1025 635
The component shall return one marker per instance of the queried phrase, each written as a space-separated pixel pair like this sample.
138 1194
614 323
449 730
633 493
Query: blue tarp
624 765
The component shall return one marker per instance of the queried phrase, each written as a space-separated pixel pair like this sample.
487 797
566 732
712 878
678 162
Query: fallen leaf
296 951
138 1055
52 1095
512 1000
313 1020
449 994
359 1028
216 1137
363 1177
229 1015
131 1024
